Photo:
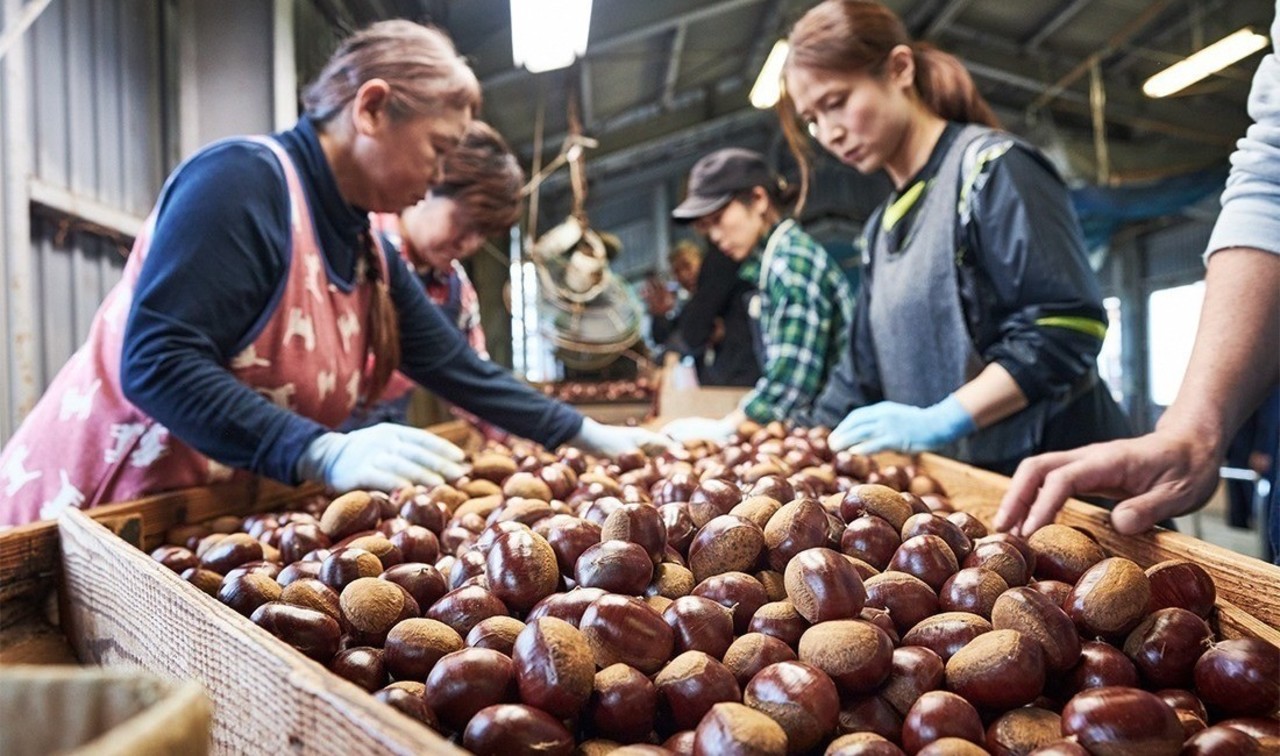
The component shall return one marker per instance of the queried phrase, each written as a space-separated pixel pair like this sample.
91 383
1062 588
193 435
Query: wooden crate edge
271 671
1243 608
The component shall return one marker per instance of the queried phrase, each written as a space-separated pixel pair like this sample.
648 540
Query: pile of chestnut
581 392
764 597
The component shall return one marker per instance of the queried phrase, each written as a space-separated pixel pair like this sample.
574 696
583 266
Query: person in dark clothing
254 297
665 300
979 320
715 327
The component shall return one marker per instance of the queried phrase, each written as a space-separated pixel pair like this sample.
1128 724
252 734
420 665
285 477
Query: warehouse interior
101 100
644 377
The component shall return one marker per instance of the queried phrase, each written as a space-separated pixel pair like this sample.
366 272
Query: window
1111 356
1172 317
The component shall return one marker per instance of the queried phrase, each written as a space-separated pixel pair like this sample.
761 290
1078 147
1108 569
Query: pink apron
85 444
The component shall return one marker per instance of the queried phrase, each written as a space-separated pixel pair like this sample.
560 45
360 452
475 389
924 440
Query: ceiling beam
1056 20
944 17
673 65
1137 24
1177 25
635 35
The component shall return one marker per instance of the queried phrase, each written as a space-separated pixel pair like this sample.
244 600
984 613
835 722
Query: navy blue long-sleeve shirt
213 277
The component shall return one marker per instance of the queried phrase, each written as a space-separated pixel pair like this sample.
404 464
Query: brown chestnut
824 585
464 682
738 591
800 698
733 729
313 633
753 652
516 728
464 608
415 645
1165 646
623 704
1183 584
1036 616
495 633
690 685
1113 721
998 670
1110 598
700 624
362 665
939 714
615 566
856 655
1240 677
727 543
620 629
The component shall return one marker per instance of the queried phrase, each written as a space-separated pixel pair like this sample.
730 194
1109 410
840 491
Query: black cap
717 177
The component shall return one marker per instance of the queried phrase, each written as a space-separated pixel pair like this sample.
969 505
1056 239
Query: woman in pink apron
254 296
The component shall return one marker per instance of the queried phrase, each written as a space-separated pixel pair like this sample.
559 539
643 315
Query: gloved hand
700 429
902 427
383 457
612 440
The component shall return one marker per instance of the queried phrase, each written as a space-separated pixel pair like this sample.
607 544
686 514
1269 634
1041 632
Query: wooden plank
123 608
1248 588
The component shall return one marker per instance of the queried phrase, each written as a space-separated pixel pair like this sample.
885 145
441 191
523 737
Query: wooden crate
120 607
1248 588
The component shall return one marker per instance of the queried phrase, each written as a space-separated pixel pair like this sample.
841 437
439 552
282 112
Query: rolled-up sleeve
1251 201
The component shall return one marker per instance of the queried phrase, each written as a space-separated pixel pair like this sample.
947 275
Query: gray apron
922 344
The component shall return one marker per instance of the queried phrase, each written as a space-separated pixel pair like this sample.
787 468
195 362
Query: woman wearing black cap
803 307
979 319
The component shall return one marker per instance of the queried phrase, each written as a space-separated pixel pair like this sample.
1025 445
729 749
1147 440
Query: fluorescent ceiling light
768 87
1211 59
548 34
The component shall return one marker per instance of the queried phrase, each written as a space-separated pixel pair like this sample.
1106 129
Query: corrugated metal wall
90 76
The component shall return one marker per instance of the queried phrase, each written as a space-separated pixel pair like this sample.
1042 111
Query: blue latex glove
612 440
700 429
902 427
383 457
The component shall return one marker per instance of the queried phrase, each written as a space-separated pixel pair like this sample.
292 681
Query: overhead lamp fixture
548 34
1209 60
768 87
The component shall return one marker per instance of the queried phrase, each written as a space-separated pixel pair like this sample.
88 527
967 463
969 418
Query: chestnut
712 498
310 593
408 703
870 713
207 581
939 714
313 633
414 646
671 581
345 566
1063 553
1100 665
800 698
623 629
1240 677
1023 730
998 670
464 682
464 608
690 685
248 591
1001 558
522 569
371 607
516 728
176 558
906 598
726 543
231 552
640 524
732 729
362 665
795 527
914 671
678 524
1165 646
1220 741
420 510
1036 616
971 526
862 744
1110 598
422 581
569 536
871 539
738 591
932 524
878 500
824 585
298 571
623 704
927 557
1116 720
856 655
774 486
781 620
700 624
350 513
495 633
615 566
758 509
1183 584
568 606
972 589
416 544
753 652
946 633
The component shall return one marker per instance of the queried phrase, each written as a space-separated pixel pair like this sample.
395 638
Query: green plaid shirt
805 312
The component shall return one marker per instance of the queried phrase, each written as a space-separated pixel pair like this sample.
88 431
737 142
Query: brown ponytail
384 323
857 36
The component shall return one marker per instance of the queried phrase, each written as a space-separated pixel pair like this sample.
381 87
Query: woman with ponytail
800 304
257 308
979 320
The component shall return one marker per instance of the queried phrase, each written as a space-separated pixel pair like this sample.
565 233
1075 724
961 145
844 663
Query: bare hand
1156 476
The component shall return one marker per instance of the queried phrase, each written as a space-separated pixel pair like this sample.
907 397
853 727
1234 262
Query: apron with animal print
85 444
